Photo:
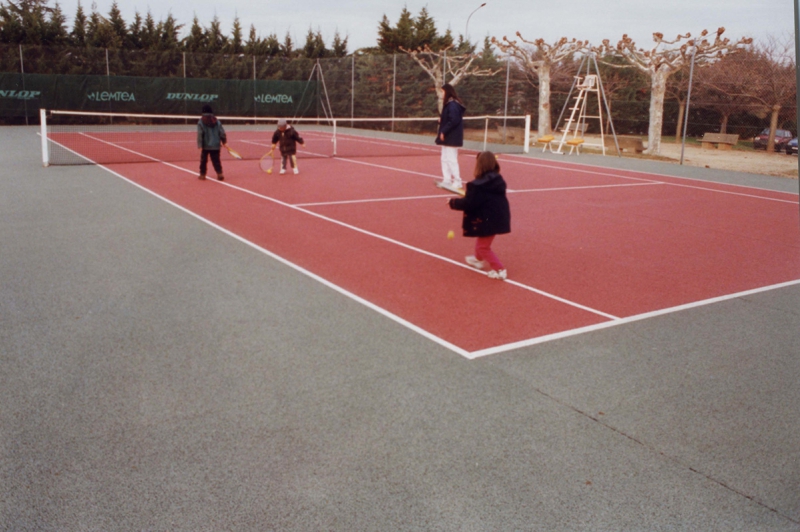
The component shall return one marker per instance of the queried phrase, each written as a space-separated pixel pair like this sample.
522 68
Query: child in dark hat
287 138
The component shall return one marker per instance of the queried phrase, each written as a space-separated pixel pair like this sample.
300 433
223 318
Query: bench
546 140
575 144
631 144
722 141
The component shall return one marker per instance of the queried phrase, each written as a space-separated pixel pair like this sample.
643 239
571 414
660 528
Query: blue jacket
210 133
451 124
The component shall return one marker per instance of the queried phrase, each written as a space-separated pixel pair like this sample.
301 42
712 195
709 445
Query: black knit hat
207 109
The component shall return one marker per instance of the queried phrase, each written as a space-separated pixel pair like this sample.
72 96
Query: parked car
791 146
782 138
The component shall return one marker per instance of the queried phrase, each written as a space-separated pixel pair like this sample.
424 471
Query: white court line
364 163
560 189
623 321
613 320
528 162
371 200
416 249
368 233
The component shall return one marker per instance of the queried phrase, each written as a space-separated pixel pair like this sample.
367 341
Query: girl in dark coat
450 135
486 213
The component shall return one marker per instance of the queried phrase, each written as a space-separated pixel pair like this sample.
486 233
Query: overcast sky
592 20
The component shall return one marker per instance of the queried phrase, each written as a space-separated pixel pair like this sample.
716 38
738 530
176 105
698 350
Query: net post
43 125
485 132
333 137
526 147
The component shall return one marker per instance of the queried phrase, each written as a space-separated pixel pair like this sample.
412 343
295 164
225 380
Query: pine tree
55 33
403 34
272 46
339 45
168 32
78 33
196 40
425 33
149 32
411 33
287 48
315 45
235 43
117 23
134 36
215 38
29 22
254 45
99 33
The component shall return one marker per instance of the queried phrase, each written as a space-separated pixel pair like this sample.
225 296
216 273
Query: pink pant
483 251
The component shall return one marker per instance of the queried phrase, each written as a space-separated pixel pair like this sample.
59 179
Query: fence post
394 84
45 146
527 142
185 105
22 71
505 111
353 90
797 57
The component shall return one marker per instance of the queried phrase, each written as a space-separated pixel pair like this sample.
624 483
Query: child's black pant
288 160
214 161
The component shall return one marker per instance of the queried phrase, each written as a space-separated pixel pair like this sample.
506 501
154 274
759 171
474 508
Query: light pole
797 53
466 29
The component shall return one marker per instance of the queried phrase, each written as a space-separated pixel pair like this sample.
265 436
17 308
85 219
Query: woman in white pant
451 134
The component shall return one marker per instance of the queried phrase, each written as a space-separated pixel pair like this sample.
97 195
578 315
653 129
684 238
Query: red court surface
590 247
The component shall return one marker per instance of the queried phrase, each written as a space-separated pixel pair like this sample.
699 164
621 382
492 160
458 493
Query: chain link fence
743 94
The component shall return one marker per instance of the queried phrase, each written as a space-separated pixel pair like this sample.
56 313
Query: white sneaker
283 171
296 171
475 263
498 274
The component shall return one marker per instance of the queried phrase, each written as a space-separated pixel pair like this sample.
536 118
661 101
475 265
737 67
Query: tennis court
288 352
590 247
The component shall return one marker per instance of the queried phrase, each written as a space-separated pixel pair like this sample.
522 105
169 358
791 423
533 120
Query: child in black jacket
287 139
486 213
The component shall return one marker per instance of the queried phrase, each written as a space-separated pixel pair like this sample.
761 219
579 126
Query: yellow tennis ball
269 170
450 235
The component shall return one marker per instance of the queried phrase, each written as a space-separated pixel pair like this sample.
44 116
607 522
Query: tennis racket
450 188
267 162
234 153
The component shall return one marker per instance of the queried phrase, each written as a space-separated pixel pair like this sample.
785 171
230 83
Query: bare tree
538 58
618 84
775 82
666 58
678 89
727 86
444 68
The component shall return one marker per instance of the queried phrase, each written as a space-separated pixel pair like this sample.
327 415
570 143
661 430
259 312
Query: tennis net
72 138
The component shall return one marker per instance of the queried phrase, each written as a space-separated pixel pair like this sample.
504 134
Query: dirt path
754 162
